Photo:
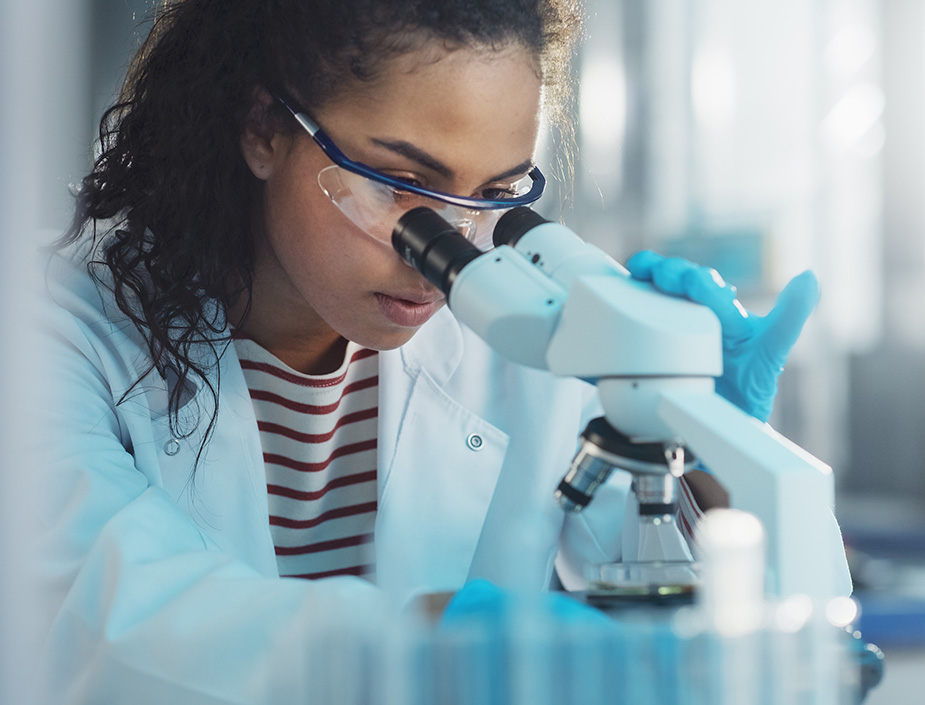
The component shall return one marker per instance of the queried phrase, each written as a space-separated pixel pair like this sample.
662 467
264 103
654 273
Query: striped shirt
318 435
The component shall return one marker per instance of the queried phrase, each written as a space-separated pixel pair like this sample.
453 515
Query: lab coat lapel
438 466
227 497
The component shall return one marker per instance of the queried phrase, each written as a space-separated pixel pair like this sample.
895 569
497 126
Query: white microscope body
552 301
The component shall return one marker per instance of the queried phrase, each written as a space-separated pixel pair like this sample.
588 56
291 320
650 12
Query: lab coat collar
433 353
437 348
435 482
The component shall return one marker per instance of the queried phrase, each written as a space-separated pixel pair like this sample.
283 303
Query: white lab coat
159 588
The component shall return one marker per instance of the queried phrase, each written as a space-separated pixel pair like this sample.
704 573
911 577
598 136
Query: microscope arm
790 491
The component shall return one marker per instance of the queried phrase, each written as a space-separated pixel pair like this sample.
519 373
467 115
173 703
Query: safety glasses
374 201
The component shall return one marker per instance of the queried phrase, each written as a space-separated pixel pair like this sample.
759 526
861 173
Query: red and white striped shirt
318 435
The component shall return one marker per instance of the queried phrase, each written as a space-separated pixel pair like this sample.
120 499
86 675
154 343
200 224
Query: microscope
545 298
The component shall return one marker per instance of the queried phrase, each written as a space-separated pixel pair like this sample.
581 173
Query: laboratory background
759 137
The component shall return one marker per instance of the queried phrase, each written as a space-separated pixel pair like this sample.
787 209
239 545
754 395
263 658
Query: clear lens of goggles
375 207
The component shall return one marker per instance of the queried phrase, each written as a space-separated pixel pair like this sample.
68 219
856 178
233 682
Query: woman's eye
408 180
498 193
400 196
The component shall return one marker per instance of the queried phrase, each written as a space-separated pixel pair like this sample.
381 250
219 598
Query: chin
385 341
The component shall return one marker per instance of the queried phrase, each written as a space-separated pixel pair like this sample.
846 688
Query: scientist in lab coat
255 418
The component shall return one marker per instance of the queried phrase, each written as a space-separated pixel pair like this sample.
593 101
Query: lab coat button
475 442
172 447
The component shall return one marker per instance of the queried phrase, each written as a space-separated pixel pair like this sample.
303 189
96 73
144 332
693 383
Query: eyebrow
416 154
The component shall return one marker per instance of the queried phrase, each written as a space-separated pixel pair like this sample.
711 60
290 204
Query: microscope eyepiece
432 246
514 224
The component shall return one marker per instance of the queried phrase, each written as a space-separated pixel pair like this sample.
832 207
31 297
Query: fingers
793 307
667 273
680 277
642 263
475 598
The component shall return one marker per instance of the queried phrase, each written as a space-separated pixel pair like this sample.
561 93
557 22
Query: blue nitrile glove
755 348
482 600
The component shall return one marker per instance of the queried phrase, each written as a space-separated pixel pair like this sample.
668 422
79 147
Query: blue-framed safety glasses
374 201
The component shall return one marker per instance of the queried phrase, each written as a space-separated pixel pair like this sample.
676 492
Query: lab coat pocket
439 484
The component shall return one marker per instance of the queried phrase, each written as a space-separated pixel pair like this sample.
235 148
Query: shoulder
78 294
80 319
82 337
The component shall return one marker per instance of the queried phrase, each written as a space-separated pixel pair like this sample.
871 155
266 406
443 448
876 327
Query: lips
407 313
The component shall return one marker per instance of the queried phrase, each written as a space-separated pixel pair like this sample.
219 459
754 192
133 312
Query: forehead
469 107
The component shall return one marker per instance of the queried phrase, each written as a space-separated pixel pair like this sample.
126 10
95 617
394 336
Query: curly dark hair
170 203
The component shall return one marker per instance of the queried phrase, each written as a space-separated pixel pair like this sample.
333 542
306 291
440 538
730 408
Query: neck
309 347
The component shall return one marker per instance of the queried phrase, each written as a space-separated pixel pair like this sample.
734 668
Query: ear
262 143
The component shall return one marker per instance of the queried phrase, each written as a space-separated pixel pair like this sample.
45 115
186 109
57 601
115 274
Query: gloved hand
499 645
482 600
755 348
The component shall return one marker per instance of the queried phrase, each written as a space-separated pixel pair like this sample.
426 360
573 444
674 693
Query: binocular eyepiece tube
439 251
432 246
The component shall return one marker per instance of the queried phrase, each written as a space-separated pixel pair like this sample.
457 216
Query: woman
245 381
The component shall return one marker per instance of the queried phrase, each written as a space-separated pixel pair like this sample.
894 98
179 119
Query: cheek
301 223
326 261
324 270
